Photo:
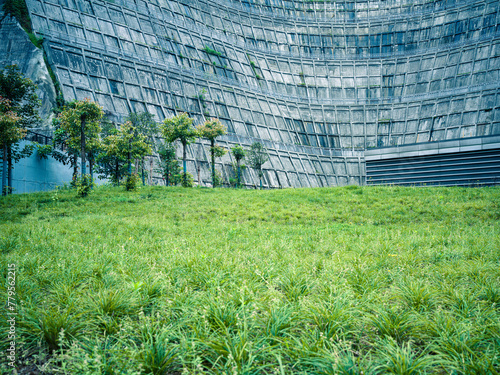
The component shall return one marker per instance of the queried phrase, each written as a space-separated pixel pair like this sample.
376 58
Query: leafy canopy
218 151
145 124
78 115
211 129
10 132
238 153
20 91
180 128
128 140
257 156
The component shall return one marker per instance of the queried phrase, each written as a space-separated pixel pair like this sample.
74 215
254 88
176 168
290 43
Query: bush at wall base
84 185
131 182
178 179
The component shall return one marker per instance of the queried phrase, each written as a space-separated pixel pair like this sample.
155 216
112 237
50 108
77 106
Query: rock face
16 48
318 82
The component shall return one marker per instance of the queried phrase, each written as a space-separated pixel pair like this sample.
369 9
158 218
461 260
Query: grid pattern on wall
317 89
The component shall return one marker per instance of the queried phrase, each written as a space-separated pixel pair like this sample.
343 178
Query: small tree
144 124
111 161
132 144
239 155
21 93
180 128
169 164
257 156
212 129
61 138
128 144
10 133
23 102
80 120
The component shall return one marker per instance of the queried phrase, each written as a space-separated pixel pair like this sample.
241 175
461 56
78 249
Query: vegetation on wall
211 51
19 10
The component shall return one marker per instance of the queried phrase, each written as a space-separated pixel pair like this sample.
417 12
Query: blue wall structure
34 174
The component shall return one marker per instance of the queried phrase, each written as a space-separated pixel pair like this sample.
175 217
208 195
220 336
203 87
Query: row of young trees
79 129
110 150
181 128
85 134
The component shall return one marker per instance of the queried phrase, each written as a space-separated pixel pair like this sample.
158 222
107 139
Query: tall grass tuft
393 323
402 359
416 295
157 355
52 327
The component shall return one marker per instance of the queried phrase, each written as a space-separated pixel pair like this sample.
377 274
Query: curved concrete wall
318 81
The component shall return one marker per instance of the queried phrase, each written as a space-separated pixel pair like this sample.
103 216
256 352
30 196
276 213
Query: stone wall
318 82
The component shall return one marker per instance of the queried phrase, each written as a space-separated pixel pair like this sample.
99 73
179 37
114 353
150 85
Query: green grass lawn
352 280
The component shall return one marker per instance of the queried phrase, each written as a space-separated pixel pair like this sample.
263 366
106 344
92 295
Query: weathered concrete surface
16 48
318 82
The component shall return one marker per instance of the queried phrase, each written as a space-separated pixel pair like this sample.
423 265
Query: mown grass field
352 280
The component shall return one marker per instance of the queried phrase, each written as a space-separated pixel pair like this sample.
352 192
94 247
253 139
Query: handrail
205 31
196 74
234 40
238 7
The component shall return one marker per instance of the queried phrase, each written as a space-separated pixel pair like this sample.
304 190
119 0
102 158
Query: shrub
179 180
218 179
131 182
211 51
84 185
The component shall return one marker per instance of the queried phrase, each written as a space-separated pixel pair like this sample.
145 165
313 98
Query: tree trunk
129 157
10 169
239 174
184 167
82 151
150 176
91 167
260 179
4 171
74 164
212 143
117 173
142 170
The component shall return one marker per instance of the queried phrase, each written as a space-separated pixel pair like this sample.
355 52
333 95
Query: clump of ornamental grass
51 325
